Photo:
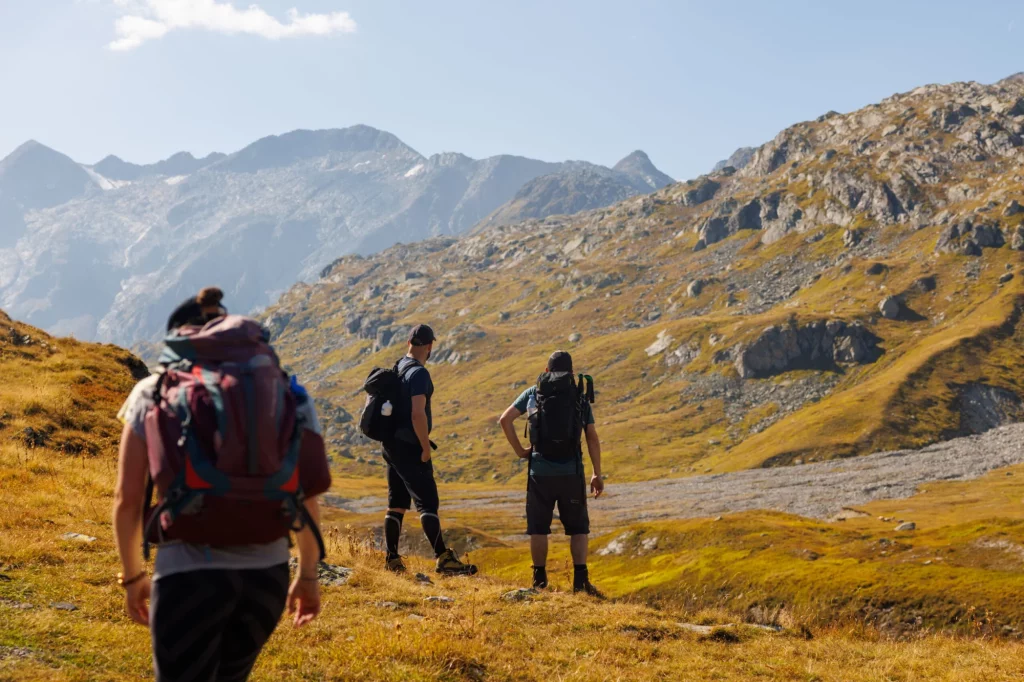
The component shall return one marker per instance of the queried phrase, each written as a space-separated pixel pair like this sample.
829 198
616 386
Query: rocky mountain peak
639 165
1015 78
276 151
35 176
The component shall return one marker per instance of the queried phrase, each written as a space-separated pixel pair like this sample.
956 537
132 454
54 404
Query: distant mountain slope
580 186
181 163
739 159
105 251
856 287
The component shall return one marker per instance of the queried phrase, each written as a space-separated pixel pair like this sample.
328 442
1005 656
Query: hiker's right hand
523 453
597 485
304 600
426 455
137 601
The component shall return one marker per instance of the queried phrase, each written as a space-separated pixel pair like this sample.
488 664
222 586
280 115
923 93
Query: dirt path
817 490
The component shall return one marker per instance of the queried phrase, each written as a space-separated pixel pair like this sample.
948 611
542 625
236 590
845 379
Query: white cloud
152 19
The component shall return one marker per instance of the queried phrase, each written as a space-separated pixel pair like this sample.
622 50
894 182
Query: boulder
522 594
817 345
984 407
924 284
1006 278
989 236
1017 241
970 248
1013 208
714 230
575 337
660 344
747 218
968 239
874 269
851 238
905 527
700 245
704 191
695 288
890 307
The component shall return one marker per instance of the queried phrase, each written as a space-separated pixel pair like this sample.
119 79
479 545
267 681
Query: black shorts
410 479
212 624
569 492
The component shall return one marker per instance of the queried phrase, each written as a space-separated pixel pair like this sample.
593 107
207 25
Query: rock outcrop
818 345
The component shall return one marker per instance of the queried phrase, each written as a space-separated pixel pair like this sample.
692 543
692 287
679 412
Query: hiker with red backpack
233 451
397 413
559 413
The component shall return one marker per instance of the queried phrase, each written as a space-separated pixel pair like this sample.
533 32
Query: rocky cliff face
105 251
820 284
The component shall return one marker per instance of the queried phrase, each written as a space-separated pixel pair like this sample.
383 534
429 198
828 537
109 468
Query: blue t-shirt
415 381
546 467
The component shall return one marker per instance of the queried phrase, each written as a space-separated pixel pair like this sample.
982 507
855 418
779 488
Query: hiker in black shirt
410 469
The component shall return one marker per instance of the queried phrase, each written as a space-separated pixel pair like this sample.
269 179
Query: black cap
421 335
560 361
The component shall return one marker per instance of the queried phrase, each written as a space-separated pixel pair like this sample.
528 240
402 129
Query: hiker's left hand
426 455
304 600
137 601
597 485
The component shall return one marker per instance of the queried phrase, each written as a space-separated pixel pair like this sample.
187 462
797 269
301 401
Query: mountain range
104 251
855 287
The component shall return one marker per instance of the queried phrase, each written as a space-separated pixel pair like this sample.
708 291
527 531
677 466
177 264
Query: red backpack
223 439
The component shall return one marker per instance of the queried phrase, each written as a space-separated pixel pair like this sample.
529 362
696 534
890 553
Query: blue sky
688 82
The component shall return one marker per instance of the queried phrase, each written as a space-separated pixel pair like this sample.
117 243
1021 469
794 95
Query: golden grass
48 493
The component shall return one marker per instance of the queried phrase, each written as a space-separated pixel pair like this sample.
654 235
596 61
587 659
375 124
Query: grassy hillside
751 568
665 299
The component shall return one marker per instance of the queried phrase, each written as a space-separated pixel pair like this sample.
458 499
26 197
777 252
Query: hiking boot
540 578
588 589
394 564
449 564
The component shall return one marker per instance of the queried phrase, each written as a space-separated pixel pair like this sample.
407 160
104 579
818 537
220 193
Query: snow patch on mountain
105 183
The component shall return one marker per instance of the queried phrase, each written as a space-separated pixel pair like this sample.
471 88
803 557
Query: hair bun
210 296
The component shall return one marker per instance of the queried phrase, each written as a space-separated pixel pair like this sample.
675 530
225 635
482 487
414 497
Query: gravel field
820 490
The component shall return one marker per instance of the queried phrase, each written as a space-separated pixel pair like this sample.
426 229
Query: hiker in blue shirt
558 416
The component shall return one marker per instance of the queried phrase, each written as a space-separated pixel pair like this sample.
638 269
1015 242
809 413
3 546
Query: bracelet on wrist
130 581
307 579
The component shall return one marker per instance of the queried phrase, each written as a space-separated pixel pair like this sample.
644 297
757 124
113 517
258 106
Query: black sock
392 531
432 529
540 577
580 576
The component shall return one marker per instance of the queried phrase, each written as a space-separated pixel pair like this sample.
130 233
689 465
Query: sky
687 82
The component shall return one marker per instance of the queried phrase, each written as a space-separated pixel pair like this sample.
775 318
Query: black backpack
556 427
382 386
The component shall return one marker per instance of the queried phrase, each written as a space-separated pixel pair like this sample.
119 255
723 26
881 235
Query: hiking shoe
588 589
394 564
449 564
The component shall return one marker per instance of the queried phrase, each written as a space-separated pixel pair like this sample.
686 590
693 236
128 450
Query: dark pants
410 479
210 625
567 492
